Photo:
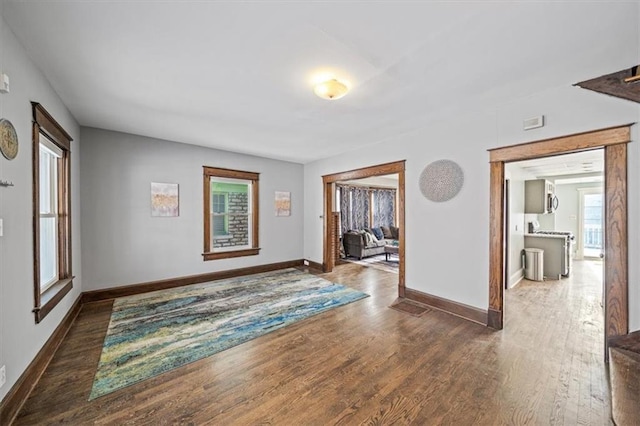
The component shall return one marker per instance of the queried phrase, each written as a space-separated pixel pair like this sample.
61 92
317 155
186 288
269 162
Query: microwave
552 203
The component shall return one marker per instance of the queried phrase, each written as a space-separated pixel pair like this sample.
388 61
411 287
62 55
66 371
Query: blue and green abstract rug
155 332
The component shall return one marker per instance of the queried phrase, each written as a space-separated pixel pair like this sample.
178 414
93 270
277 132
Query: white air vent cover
533 122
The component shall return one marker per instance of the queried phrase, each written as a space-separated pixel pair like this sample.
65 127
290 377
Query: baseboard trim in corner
461 310
315 265
130 290
516 277
19 392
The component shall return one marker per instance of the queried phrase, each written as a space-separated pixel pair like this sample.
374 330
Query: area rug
377 262
155 332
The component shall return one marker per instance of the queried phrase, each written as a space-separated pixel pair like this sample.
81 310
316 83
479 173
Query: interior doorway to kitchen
614 142
544 214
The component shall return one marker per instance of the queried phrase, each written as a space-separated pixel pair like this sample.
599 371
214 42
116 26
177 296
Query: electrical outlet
305 262
3 375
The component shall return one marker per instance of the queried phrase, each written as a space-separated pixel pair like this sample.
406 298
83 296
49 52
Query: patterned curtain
384 207
354 208
360 208
345 209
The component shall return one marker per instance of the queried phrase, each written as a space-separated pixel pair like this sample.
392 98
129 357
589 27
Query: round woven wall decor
441 180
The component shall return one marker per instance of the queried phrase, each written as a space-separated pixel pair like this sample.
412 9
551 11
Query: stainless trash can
534 264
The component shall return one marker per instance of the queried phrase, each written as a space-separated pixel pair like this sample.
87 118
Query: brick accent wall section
238 223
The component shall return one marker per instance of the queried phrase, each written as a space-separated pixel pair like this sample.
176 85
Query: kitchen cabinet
557 254
539 196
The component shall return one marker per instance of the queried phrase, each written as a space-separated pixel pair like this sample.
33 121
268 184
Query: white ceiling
237 75
568 164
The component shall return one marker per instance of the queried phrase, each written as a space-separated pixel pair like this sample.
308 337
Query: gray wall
20 337
124 245
440 237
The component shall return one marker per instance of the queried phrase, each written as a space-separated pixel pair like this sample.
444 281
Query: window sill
230 254
51 297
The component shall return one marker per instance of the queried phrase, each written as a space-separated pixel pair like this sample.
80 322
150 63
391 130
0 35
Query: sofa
369 241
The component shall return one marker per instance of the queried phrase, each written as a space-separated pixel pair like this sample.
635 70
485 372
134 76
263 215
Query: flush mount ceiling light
330 89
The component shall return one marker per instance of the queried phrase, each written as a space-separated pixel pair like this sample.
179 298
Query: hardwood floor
364 364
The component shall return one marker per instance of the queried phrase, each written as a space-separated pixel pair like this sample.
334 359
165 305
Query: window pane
45 181
48 251
219 225
230 205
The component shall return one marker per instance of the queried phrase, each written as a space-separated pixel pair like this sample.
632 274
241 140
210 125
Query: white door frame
581 193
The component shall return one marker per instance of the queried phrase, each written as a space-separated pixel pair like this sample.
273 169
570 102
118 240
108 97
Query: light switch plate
3 375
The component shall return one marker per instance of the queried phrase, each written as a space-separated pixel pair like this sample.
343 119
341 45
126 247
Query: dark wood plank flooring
364 364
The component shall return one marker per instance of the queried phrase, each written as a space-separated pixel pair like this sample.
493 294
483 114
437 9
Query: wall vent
533 122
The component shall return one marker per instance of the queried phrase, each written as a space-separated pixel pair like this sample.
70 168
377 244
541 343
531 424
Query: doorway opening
332 228
614 143
369 205
546 210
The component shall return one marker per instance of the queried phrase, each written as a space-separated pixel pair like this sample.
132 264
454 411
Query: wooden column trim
616 248
402 234
335 235
328 261
496 231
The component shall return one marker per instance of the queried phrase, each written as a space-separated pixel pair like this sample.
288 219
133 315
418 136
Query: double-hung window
50 156
230 213
51 212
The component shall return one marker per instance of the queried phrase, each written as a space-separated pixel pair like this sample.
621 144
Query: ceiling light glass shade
330 89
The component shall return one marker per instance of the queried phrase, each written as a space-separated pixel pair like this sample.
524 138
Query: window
51 212
50 154
230 213
220 213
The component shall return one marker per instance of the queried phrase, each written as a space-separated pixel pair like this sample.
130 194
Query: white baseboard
516 278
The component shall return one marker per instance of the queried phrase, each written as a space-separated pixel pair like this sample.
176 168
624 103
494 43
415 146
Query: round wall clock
8 139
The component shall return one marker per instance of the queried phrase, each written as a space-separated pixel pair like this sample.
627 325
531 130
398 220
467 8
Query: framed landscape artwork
283 203
164 200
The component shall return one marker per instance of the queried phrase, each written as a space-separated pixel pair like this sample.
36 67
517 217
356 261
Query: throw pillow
368 239
386 232
394 232
373 236
378 233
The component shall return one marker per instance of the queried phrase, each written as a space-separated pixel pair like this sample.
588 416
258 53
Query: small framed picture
165 200
283 203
